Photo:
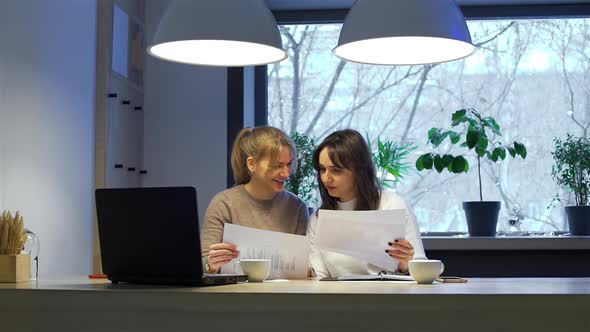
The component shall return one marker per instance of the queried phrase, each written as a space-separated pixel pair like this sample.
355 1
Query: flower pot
482 217
578 218
15 268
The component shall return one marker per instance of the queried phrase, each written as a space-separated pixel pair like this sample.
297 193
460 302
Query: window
120 41
532 76
128 45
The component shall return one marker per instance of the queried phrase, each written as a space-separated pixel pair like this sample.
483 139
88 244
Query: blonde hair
259 143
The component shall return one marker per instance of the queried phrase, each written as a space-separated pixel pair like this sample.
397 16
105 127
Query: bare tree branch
327 97
423 78
378 91
501 32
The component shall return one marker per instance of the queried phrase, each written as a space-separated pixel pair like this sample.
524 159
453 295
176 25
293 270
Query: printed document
361 234
289 253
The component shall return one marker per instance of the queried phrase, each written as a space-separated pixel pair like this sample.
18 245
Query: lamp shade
404 32
226 33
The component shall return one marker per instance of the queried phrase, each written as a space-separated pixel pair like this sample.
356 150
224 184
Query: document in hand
361 234
289 253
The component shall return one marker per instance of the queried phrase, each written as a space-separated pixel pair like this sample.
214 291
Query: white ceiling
339 4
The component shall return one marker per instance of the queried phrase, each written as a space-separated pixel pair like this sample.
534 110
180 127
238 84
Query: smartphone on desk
447 279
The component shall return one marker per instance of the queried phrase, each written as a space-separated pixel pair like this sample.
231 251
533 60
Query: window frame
471 13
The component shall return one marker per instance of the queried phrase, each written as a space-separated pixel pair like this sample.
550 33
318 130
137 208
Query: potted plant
390 162
482 216
14 265
302 181
572 171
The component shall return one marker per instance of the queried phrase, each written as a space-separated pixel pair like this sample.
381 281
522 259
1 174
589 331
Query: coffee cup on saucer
257 270
425 271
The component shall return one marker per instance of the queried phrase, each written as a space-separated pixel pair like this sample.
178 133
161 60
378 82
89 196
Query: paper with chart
361 234
289 253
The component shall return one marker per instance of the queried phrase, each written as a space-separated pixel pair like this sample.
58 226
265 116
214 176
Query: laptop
151 236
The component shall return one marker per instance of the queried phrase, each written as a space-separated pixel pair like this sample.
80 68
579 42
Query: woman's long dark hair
348 149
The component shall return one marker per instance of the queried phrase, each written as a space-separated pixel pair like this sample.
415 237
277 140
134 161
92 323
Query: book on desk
377 277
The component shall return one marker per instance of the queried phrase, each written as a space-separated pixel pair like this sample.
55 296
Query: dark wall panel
518 263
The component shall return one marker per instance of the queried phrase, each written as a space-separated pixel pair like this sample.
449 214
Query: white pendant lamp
404 32
229 33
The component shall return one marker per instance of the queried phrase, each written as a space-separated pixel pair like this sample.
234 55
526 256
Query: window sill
506 243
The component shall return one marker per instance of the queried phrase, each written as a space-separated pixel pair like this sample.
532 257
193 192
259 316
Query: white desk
479 305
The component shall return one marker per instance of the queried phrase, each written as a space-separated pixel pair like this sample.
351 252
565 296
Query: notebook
378 277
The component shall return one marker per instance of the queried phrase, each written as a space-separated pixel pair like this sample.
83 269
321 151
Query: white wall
185 122
47 84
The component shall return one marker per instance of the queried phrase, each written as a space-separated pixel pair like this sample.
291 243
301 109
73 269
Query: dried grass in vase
12 233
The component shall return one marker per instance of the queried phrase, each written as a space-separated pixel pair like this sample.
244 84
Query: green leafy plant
390 160
572 166
302 181
475 135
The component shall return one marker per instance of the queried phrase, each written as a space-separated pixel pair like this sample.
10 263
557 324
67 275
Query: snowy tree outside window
532 76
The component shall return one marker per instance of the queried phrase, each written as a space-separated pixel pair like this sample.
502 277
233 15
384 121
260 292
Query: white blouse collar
347 206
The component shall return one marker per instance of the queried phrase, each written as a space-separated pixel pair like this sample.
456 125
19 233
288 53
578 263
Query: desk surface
79 304
475 286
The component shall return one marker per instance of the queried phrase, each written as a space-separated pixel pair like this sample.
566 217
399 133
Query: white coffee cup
425 271
257 270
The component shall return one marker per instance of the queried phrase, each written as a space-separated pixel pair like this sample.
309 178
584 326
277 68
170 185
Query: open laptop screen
149 234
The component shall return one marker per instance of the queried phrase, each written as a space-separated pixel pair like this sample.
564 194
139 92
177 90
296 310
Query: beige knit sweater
285 213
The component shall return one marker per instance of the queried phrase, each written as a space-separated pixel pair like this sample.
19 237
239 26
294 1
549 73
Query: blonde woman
262 160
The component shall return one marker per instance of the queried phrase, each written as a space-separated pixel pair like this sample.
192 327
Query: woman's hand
403 251
221 254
